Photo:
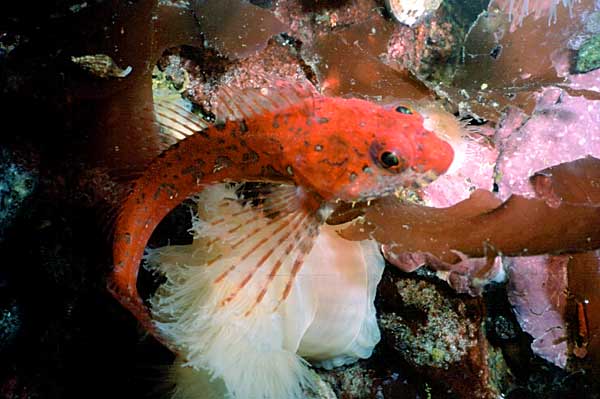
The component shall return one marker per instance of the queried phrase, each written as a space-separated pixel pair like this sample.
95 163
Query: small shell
101 65
409 12
328 317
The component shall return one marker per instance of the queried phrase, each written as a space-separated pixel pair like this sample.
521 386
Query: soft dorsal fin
237 104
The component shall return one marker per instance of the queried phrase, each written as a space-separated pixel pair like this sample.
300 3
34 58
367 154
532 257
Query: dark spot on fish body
322 120
308 121
250 157
222 162
353 176
275 143
232 148
167 188
127 238
204 133
221 140
359 153
220 126
196 171
275 123
334 163
269 171
243 127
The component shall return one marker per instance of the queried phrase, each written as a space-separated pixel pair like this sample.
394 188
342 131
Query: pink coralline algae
562 128
537 292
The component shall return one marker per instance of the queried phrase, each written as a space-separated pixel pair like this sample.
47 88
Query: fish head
374 151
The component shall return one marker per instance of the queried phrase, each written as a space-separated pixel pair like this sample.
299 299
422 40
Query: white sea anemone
257 348
518 10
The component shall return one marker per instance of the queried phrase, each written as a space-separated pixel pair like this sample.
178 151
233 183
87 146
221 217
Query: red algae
481 225
503 67
537 290
235 28
348 62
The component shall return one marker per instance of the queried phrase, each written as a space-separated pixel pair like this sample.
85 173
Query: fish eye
404 110
389 159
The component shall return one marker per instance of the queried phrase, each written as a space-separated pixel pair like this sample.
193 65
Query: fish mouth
388 185
402 187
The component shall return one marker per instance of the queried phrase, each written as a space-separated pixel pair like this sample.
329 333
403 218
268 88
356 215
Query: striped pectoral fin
262 237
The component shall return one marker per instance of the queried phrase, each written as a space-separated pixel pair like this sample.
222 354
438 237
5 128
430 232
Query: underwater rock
432 50
11 321
440 336
18 180
355 380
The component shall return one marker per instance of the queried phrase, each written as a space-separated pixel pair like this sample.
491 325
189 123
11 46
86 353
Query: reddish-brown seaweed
480 224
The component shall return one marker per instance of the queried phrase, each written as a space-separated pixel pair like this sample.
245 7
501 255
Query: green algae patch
588 56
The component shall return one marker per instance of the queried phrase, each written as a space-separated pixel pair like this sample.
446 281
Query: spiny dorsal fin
176 122
237 104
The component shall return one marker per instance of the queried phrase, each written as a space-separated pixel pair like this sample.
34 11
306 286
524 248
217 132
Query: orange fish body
330 148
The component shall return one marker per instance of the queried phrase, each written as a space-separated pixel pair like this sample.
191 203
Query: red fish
330 149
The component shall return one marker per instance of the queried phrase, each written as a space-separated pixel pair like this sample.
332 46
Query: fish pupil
389 159
403 110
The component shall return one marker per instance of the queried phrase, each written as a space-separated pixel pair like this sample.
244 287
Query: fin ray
235 104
